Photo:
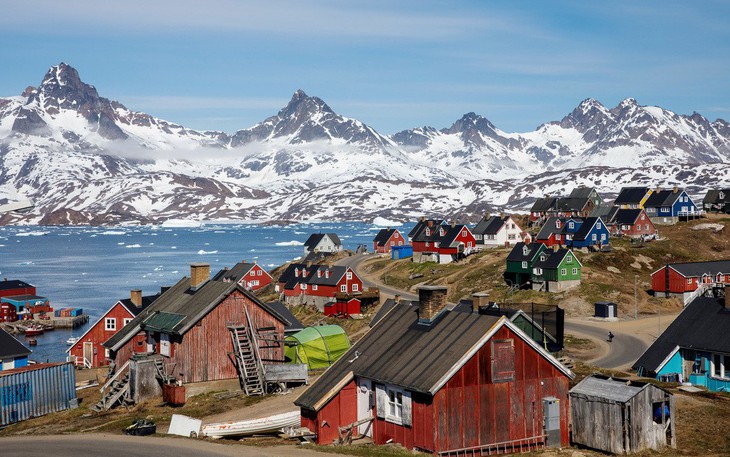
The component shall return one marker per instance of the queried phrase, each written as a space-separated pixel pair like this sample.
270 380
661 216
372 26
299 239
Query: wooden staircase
246 351
117 393
162 374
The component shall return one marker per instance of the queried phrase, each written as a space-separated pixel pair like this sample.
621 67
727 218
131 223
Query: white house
498 231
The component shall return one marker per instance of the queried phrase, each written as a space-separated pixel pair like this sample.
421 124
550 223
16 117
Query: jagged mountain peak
302 104
471 123
586 117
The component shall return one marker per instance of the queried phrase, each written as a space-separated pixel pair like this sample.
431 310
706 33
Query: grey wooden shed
621 416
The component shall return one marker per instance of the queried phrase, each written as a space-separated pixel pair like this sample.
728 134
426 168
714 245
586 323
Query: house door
150 342
365 405
88 354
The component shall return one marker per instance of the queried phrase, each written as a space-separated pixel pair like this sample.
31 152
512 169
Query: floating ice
202 252
113 232
133 246
383 222
289 243
37 233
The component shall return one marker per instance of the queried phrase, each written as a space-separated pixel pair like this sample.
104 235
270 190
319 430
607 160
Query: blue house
589 231
668 206
13 354
694 348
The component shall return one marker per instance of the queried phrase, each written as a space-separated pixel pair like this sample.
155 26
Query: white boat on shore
261 425
71 341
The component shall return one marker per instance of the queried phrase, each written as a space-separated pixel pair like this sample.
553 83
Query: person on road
610 336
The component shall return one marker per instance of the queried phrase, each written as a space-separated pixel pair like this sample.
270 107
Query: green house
520 262
556 270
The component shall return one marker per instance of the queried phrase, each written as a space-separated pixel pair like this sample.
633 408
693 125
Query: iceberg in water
289 243
383 222
181 223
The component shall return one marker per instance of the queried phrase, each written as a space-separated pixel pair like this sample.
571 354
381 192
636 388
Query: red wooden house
13 287
317 284
386 239
434 241
442 381
249 275
343 308
189 327
633 223
681 278
88 351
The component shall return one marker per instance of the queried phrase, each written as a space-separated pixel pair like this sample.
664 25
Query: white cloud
289 17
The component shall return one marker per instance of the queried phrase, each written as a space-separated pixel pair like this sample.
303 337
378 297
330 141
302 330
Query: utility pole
636 306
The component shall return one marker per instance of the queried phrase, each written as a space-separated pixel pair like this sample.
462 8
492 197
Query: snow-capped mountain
87 159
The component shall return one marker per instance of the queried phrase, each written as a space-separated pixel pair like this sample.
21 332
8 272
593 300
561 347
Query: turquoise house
694 348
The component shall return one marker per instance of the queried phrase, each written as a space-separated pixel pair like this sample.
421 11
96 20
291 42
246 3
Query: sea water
94 267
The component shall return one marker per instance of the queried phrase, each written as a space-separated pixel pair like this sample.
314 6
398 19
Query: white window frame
110 323
303 286
394 408
314 286
564 271
349 275
689 281
598 225
537 270
355 287
524 264
343 288
127 320
575 271
723 373
594 237
259 272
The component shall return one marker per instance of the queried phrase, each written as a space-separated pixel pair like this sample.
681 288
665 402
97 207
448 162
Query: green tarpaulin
318 347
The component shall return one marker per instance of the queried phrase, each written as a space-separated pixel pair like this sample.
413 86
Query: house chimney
432 302
199 274
675 189
164 289
422 218
556 247
453 223
486 215
658 189
479 299
309 264
136 297
396 299
429 223
243 261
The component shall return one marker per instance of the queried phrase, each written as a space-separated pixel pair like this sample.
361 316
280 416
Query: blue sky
228 64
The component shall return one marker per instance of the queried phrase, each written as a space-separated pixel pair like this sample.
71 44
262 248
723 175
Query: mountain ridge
87 159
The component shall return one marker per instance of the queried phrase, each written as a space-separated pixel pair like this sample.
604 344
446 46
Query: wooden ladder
250 368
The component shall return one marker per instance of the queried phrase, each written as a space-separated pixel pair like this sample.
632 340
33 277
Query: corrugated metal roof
712 267
163 322
618 390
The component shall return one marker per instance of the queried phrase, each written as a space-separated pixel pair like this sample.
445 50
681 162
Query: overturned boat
258 426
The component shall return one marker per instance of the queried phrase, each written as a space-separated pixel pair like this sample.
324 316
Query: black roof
315 238
548 228
419 225
626 216
400 351
316 257
181 307
703 325
310 276
631 195
713 196
13 284
552 259
451 234
235 274
605 211
543 204
386 307
571 203
662 198
293 324
10 347
517 254
383 236
582 192
490 225
134 309
713 267
586 227
434 224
